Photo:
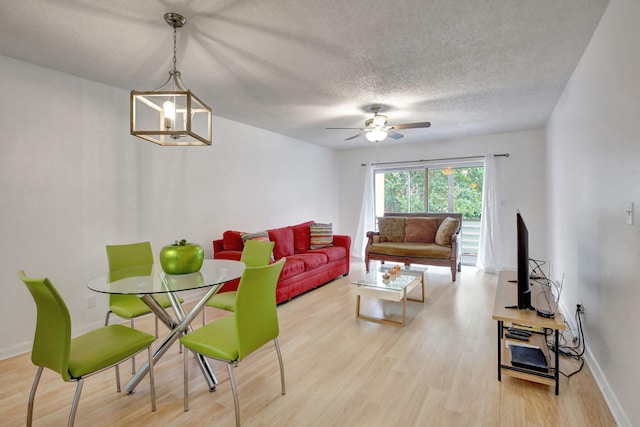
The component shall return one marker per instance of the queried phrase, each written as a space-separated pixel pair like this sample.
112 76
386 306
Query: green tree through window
430 190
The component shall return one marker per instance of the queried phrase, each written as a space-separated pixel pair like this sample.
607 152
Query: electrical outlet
90 301
580 308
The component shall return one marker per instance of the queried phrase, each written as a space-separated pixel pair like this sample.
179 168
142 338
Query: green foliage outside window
461 191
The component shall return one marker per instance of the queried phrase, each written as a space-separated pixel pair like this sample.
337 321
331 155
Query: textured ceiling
296 67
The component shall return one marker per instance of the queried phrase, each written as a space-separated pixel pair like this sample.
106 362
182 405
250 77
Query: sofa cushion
333 253
232 255
311 260
232 241
283 237
447 228
420 230
321 235
421 250
391 228
292 267
301 236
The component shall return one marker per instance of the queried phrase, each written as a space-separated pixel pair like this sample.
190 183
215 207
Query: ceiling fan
376 128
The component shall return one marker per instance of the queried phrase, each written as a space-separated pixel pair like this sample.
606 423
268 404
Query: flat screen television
524 286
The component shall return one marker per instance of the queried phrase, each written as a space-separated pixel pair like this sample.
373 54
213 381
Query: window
438 189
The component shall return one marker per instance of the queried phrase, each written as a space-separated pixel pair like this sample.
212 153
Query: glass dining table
147 280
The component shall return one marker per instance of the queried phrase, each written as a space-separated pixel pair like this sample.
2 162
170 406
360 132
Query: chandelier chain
174 47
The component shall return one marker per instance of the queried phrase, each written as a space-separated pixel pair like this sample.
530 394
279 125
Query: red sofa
304 269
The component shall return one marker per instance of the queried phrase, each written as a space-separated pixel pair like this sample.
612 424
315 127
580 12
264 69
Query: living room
74 180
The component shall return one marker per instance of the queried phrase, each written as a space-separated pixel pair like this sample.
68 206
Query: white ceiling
296 67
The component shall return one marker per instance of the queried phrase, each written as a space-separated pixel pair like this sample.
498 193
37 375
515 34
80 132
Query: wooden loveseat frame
453 260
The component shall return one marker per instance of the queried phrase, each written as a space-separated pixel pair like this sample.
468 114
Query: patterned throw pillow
391 228
321 235
446 230
420 230
260 236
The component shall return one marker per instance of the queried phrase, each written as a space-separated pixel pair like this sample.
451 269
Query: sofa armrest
217 247
342 240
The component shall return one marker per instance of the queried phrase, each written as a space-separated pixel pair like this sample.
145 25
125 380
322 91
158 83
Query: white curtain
489 250
366 222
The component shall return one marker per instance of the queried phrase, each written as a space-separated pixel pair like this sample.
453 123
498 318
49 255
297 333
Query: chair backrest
121 257
255 311
52 340
257 253
130 255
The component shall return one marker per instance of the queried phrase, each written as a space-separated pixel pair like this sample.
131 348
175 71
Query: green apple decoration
181 257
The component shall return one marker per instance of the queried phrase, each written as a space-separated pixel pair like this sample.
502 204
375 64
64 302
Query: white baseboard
610 397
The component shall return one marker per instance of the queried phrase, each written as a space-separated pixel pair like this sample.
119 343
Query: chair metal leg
156 326
106 320
185 378
235 392
118 389
281 365
74 405
133 358
152 380
32 396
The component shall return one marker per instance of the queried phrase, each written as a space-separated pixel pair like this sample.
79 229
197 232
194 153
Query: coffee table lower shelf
401 296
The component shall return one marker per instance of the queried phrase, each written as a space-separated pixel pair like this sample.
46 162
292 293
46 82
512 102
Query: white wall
594 153
521 176
72 180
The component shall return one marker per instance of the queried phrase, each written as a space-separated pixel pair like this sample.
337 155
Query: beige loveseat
417 238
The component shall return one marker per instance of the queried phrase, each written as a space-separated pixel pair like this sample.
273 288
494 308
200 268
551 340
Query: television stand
506 295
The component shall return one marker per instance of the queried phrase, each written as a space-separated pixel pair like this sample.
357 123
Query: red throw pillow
283 237
301 236
232 241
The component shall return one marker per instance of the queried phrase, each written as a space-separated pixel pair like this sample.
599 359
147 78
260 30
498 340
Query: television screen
524 287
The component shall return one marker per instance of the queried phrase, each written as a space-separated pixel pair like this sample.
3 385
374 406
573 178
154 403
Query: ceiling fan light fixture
376 135
379 120
171 114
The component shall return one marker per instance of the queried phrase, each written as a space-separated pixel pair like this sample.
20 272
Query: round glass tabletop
150 279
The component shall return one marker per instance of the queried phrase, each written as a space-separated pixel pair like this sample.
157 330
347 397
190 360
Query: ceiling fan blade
347 128
354 136
412 125
394 135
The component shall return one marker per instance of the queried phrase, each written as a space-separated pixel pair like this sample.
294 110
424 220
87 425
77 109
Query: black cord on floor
575 351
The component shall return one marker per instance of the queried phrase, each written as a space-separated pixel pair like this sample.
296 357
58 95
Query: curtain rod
434 160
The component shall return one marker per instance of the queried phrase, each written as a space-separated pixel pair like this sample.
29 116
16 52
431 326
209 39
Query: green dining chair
77 358
254 254
130 306
233 337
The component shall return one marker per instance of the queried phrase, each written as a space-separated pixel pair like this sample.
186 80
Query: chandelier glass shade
171 114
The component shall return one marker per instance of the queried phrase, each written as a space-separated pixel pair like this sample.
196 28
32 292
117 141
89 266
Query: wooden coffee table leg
404 306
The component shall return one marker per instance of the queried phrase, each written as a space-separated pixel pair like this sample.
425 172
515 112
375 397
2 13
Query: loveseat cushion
311 260
447 228
391 228
301 236
420 230
333 253
411 249
283 238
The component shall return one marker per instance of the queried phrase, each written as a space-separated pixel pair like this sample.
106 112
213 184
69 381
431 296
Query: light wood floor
440 370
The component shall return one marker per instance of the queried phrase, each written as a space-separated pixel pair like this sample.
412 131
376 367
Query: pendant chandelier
171 114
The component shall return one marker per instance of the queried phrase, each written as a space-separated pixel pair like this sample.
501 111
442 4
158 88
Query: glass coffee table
396 288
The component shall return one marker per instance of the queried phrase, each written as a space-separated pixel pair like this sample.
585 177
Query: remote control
516 337
519 332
